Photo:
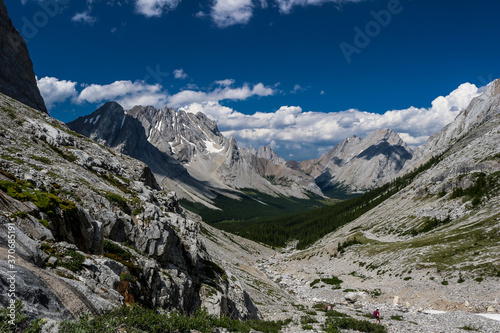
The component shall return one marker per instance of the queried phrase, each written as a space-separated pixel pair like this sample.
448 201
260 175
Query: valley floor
279 283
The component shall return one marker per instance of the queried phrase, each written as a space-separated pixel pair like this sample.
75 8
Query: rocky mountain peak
357 164
268 153
481 110
17 78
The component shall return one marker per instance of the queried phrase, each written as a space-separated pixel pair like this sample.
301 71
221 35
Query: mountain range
188 154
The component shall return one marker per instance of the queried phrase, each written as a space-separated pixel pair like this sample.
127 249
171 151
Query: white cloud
290 126
220 93
84 17
292 130
296 89
286 6
155 8
180 74
226 82
126 93
225 13
55 91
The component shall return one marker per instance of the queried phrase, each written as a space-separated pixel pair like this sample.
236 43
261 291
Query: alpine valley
150 220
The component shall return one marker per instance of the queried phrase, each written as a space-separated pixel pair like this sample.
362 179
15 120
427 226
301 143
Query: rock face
95 228
188 153
481 109
359 164
17 78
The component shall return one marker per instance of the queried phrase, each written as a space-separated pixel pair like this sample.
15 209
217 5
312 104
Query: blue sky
299 75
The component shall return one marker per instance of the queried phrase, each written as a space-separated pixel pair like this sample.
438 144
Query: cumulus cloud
290 127
226 13
180 74
155 8
222 92
226 82
55 91
126 93
84 17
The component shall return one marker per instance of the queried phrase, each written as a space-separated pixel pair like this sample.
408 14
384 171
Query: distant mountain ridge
360 164
188 153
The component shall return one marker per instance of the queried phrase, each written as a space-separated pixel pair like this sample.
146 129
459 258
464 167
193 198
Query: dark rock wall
17 78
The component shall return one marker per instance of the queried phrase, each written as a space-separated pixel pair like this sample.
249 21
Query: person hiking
376 315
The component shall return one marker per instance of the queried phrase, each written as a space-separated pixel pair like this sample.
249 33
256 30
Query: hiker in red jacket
376 315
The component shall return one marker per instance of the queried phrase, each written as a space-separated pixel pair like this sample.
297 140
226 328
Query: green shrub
335 281
397 317
21 322
75 264
138 319
127 277
19 214
444 283
333 313
430 224
121 202
349 242
333 325
120 253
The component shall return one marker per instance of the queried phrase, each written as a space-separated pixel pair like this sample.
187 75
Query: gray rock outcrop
17 78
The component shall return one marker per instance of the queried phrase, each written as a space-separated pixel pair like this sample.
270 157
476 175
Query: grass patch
42 159
68 156
118 200
75 264
334 325
335 281
397 317
467 249
138 319
48 203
